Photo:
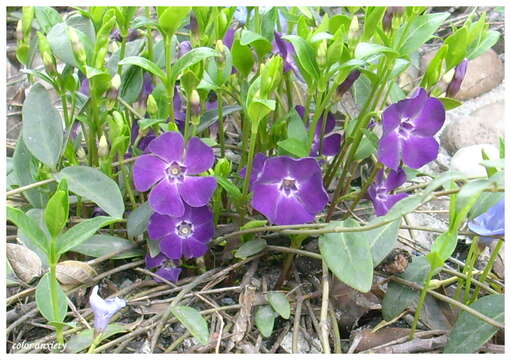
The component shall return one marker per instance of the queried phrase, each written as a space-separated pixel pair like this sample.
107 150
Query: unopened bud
152 106
322 52
82 156
19 31
49 63
223 167
390 14
353 32
77 46
115 83
103 147
220 48
194 27
348 83
195 102
459 74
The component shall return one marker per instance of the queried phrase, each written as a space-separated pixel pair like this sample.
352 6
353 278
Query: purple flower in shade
257 166
289 191
491 223
348 82
459 74
166 267
286 50
229 37
380 191
103 309
171 169
84 87
331 141
409 127
186 235
183 48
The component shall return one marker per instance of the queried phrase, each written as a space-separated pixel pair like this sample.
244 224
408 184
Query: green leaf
443 247
93 185
144 64
485 201
133 48
265 319
434 69
296 128
346 256
420 30
170 18
131 84
38 216
242 58
470 333
42 126
372 21
260 43
81 232
43 300
365 50
279 303
83 339
57 210
368 145
99 245
294 147
483 44
189 59
61 44
466 198
250 248
457 48
47 17
29 227
138 220
400 297
382 240
251 225
231 189
306 58
450 103
193 321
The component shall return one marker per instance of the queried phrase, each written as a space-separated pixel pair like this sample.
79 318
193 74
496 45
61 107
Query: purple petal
199 156
151 262
382 207
391 118
430 119
193 248
395 179
300 110
459 74
165 199
389 150
172 246
490 223
257 166
291 211
147 171
158 227
274 170
183 48
418 151
197 190
302 169
265 198
312 194
331 145
229 37
199 215
169 273
204 232
169 146
104 309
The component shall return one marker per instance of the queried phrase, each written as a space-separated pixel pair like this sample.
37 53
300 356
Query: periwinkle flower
229 37
85 87
409 127
185 235
289 191
257 166
169 170
166 267
380 192
331 141
183 48
286 50
104 309
348 82
490 224
459 74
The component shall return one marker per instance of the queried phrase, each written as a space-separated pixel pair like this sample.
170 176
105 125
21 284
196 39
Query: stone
483 126
467 160
422 239
483 74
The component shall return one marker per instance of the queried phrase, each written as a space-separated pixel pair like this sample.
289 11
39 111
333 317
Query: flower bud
220 48
194 27
353 31
392 11
82 156
49 63
152 106
223 167
103 147
19 31
348 83
459 74
77 46
322 52
195 103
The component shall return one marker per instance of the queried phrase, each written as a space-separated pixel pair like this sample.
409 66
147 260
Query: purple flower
348 82
229 37
459 74
185 235
286 50
84 87
289 191
409 127
145 140
331 141
103 309
166 267
183 48
257 166
389 15
170 169
380 191
491 223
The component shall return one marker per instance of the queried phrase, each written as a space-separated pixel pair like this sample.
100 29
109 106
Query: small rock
483 126
467 160
422 238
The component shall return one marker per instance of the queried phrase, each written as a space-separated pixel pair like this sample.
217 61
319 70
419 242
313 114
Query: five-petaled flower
380 192
103 309
185 235
289 191
166 267
331 141
171 170
409 127
491 224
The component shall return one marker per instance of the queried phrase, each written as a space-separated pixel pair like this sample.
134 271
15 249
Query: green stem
220 123
53 259
248 173
122 53
296 243
473 253
420 304
487 268
363 191
170 86
94 344
149 35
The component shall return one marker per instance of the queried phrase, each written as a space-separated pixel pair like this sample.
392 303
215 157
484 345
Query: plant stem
220 123
473 254
487 268
420 304
296 242
248 173
363 191
94 344
122 52
170 87
53 259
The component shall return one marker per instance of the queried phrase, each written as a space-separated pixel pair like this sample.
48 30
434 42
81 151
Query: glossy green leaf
83 339
131 84
193 321
443 247
372 20
265 320
296 128
466 198
99 245
434 69
189 59
470 333
57 210
211 117
294 147
231 189
94 185
144 64
29 227
250 248
382 240
483 44
251 225
346 256
47 17
81 232
138 220
365 50
42 126
170 18
242 58
43 300
457 48
450 103
306 58
279 303
61 45
420 30
259 42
